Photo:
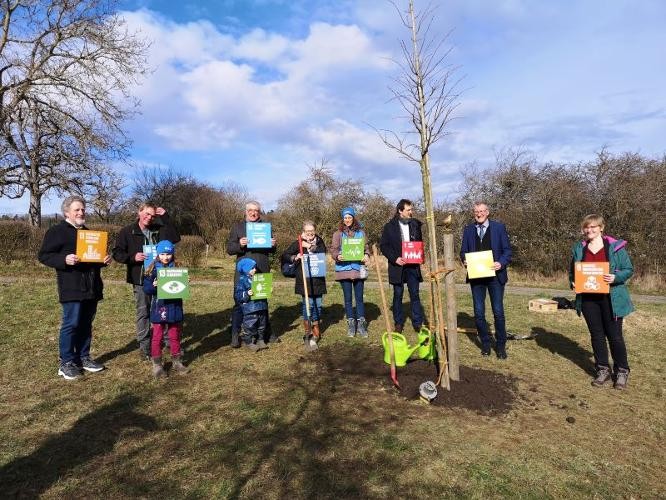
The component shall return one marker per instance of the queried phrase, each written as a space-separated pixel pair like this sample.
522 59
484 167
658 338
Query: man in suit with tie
486 234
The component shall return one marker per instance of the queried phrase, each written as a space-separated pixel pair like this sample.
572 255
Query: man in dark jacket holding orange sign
80 287
483 235
403 228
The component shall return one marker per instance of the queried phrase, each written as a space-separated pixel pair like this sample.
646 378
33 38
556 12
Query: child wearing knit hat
255 312
165 314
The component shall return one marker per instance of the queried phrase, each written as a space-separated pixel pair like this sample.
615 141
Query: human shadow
127 348
303 445
92 435
283 317
205 333
565 347
466 321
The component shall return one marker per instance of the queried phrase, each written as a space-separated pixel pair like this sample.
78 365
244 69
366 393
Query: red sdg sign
412 252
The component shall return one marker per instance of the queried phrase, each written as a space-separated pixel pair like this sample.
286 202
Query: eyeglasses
590 227
253 210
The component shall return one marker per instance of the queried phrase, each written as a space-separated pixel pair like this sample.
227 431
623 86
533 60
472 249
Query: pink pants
173 333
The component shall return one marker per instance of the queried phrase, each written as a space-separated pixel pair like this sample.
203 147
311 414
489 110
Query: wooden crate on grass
543 305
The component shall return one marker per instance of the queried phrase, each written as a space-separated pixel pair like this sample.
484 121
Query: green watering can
424 348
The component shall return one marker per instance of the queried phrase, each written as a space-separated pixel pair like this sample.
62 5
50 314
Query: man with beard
80 288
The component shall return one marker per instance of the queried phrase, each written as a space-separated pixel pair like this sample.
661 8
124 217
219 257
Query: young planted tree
427 92
66 70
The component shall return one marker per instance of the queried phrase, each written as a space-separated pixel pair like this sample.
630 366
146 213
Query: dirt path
513 290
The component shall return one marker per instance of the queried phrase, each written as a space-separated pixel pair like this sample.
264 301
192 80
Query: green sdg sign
173 283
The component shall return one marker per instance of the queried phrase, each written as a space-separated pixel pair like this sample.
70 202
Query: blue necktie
482 231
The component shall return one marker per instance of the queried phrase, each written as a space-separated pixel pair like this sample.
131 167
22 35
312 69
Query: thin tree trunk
451 307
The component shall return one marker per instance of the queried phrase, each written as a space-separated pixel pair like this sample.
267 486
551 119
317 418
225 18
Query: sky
256 91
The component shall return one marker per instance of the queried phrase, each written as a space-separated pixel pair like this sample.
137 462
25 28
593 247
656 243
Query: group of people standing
80 286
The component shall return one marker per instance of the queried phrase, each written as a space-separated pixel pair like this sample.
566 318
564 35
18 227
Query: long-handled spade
385 313
308 339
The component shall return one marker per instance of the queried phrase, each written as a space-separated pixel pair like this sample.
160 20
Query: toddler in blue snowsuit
255 312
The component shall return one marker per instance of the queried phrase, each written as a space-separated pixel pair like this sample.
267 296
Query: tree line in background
541 204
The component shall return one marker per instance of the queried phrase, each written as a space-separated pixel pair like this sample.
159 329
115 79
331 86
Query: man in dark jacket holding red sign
403 228
485 234
80 287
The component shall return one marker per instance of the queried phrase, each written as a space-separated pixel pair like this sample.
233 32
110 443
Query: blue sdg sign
315 265
258 234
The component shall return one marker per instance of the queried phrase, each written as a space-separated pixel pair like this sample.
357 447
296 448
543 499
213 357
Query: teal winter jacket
619 264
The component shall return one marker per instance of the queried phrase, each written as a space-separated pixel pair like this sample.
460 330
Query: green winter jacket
619 264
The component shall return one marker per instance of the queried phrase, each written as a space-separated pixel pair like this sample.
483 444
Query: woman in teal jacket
603 313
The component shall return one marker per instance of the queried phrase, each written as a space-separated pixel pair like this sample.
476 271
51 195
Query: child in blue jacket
165 314
255 312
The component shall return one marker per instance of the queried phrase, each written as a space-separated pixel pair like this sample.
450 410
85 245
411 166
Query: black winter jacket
130 241
391 247
81 281
316 286
259 255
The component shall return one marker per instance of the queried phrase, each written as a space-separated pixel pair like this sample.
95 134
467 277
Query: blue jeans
496 292
76 330
315 307
357 287
410 277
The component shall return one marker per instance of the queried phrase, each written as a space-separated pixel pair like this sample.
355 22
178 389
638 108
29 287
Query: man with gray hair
488 235
80 288
152 226
237 245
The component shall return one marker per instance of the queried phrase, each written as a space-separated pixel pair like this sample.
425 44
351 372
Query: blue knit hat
348 211
245 265
165 246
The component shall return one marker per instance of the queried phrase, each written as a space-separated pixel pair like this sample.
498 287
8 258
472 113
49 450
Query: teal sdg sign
173 283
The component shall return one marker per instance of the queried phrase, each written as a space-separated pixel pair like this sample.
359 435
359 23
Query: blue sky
253 91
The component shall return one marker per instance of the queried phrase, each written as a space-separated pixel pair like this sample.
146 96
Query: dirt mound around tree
483 391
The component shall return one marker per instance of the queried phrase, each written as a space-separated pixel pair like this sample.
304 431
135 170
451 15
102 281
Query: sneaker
603 376
485 351
158 369
178 366
251 347
274 339
351 327
621 379
144 356
361 327
69 371
261 344
89 365
398 328
501 353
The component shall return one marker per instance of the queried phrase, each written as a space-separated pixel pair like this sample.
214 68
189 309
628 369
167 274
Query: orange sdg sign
91 245
589 277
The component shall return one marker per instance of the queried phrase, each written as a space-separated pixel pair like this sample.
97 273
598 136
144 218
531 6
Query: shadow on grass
283 317
333 440
199 331
93 435
565 347
127 348
467 321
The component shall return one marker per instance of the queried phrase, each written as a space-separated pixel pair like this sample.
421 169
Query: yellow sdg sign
173 283
91 245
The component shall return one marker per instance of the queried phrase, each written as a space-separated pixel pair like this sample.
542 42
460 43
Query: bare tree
66 70
428 93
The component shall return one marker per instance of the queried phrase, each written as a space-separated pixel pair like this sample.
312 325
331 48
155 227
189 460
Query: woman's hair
592 219
355 225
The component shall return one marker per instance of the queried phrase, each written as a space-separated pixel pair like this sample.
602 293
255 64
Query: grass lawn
283 423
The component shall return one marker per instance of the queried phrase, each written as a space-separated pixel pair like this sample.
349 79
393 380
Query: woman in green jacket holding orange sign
603 312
